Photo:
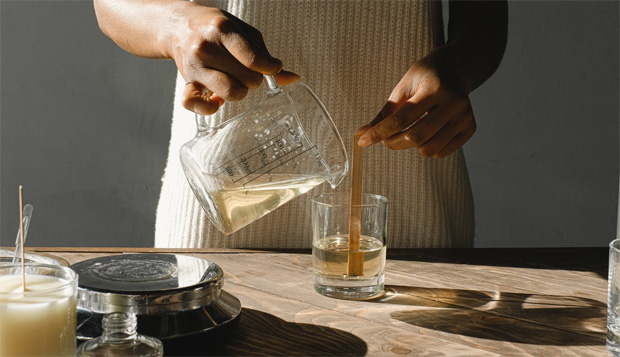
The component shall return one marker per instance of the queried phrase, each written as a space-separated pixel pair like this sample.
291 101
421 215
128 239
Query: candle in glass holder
40 321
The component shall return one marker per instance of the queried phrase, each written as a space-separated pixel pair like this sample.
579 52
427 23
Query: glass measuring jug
249 165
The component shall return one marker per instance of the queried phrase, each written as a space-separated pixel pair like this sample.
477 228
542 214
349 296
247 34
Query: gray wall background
84 127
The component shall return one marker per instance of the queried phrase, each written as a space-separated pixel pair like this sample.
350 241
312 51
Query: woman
361 58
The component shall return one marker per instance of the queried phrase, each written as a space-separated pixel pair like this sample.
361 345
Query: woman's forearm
219 56
143 27
477 35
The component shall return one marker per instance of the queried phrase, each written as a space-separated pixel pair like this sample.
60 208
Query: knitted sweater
352 53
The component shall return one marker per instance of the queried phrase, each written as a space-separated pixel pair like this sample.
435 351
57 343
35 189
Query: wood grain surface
469 302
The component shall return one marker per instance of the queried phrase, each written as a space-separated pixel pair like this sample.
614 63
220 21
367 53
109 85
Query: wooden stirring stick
21 238
355 262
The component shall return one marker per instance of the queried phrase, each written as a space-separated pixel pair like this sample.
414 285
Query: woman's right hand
220 57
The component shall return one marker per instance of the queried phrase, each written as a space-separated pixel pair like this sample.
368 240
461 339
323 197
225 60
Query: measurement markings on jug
292 132
319 160
281 163
250 150
280 144
246 165
263 156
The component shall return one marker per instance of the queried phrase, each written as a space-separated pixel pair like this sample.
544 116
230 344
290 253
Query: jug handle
272 86
272 90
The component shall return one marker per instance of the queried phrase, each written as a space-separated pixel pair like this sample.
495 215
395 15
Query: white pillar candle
42 320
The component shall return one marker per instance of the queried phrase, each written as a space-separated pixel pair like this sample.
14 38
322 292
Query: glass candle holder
40 321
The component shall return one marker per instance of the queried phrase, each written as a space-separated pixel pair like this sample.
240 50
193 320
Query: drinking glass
330 247
42 320
613 299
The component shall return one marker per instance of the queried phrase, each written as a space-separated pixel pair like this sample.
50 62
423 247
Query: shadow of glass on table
258 333
513 317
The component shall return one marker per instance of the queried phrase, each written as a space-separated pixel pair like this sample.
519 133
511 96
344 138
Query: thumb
285 78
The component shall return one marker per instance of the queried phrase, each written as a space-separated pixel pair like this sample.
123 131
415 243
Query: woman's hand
221 58
428 110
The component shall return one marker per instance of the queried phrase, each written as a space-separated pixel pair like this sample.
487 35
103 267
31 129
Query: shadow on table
258 333
521 318
576 259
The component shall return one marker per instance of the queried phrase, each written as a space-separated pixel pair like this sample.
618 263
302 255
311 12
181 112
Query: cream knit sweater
351 53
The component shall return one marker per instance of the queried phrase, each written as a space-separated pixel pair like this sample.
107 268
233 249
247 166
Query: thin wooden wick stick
355 262
21 236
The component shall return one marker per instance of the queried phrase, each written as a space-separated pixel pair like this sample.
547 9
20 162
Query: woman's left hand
428 110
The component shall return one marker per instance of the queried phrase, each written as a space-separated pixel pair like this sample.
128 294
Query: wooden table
460 302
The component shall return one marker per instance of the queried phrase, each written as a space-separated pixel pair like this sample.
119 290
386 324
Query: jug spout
336 178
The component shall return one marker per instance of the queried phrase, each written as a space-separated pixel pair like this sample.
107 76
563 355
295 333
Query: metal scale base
172 295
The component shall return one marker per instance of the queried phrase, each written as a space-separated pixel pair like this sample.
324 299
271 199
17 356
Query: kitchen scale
171 295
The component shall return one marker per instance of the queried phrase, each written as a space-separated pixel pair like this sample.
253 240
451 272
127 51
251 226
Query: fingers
401 119
436 125
449 138
246 44
457 141
453 135
221 83
388 108
214 67
198 99
213 56
227 56
429 124
361 130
